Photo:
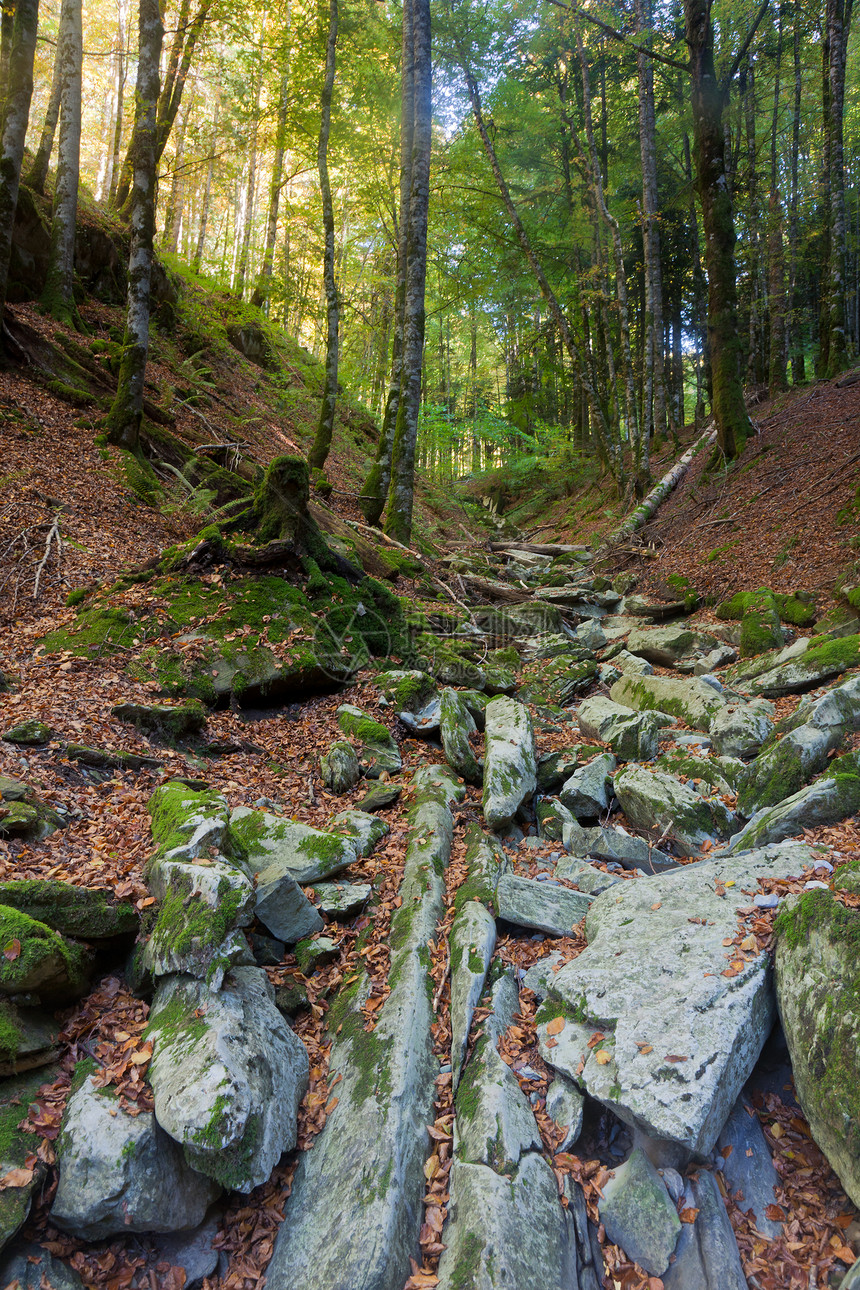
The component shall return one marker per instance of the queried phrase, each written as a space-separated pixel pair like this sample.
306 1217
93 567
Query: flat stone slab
275 844
540 906
341 899
747 1166
472 942
706 1256
510 770
690 699
680 1037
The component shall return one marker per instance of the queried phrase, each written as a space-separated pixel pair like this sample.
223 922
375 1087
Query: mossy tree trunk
375 488
15 117
325 426
125 415
38 172
654 394
777 375
708 97
833 344
58 296
7 22
398 520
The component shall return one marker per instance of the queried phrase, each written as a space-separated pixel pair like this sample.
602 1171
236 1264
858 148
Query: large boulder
510 770
824 658
378 751
36 960
817 983
637 1213
662 645
632 736
682 1018
227 1074
540 906
691 699
833 797
73 911
472 941
457 730
739 730
586 794
659 802
277 845
122 1173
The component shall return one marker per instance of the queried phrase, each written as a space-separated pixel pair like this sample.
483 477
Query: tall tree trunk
375 488
777 379
325 427
207 186
795 338
264 282
833 353
251 189
733 423
125 415
38 172
398 519
7 22
121 72
176 200
654 411
15 116
58 296
754 355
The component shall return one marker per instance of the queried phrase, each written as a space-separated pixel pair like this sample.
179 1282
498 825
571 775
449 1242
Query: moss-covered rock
15 1147
824 658
29 733
169 722
378 751
70 910
658 802
693 701
34 959
339 768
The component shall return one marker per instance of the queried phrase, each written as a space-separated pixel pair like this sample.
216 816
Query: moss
38 943
785 777
76 597
797 609
760 629
186 924
175 809
10 1031
212 1134
175 1024
841 653
684 590
73 911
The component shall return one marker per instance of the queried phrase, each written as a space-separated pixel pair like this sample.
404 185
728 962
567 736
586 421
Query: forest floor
783 517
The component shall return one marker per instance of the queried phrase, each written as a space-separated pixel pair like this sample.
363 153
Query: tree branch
620 37
742 52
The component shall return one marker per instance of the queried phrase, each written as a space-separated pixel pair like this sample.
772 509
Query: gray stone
638 1214
379 753
587 877
630 851
339 768
472 941
510 771
539 906
375 1140
380 797
507 1231
659 802
652 975
564 1106
192 1251
32 1268
552 817
706 1257
718 657
284 909
228 1075
690 699
591 635
739 731
341 899
364 829
15 1094
747 1166
316 952
655 610
28 733
554 768
407 691
174 721
662 645
275 845
587 791
632 736
122 1173
809 670
632 664
833 797
457 726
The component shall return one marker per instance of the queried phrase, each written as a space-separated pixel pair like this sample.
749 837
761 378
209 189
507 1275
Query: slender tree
325 427
654 401
19 92
126 413
833 344
58 296
38 172
264 282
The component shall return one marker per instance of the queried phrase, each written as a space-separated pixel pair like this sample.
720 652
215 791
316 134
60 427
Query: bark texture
833 355
15 117
58 297
38 172
325 427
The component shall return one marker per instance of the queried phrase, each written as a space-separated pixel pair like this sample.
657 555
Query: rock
706 1256
632 736
638 1214
537 905
73 911
170 722
29 733
655 610
819 662
747 1167
472 942
660 984
284 909
267 951
632 852
507 1231
341 899
457 726
364 829
380 797
28 1038
817 977
316 953
841 620
27 820
718 657
760 626
707 773
227 1074
586 793
379 753
591 635
662 645
110 758
16 1148
486 862
656 801
375 1142
339 768
564 1105
552 817
32 1268
690 699
407 692
194 1251
122 1173
833 797
554 768
588 877
34 959
510 771
739 730
633 664
276 845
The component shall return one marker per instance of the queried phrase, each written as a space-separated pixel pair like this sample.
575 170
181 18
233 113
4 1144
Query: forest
429 645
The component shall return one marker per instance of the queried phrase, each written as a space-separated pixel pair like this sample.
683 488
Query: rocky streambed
544 1064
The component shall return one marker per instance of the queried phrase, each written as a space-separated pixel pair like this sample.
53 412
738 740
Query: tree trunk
654 411
733 423
251 189
176 200
777 379
375 488
121 72
125 415
7 22
795 337
264 282
398 522
833 354
322 442
58 296
38 172
207 187
15 117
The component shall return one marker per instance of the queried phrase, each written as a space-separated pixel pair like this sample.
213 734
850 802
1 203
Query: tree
261 291
126 412
322 441
654 401
833 345
19 92
58 296
38 172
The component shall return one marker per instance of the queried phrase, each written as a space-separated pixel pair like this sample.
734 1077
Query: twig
441 986
53 535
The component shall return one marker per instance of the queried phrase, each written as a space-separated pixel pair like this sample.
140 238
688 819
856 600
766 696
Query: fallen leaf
602 1057
12 950
688 1215
556 1026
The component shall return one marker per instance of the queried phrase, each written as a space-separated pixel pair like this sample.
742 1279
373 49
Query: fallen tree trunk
647 508
495 590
